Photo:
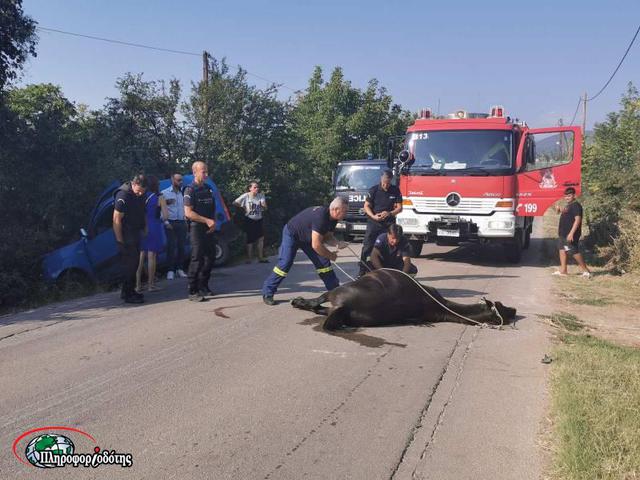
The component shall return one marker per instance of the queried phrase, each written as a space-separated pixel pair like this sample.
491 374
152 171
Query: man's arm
376 258
332 241
576 223
317 243
406 267
117 225
191 214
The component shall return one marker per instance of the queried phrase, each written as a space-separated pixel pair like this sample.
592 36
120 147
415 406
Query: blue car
95 255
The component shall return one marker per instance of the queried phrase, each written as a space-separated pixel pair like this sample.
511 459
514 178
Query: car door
549 161
101 244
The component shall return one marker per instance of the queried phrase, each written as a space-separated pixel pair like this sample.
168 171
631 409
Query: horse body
389 297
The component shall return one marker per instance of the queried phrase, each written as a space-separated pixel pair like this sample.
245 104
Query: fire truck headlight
500 225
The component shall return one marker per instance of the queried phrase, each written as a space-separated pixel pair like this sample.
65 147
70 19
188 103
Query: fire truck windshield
462 152
358 177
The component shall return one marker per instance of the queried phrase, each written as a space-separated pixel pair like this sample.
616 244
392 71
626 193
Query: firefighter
391 250
382 204
308 230
129 222
200 209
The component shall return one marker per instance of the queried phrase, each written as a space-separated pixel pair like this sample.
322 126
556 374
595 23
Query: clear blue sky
535 58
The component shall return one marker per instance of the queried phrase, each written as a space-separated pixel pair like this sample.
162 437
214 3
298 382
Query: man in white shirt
175 227
253 203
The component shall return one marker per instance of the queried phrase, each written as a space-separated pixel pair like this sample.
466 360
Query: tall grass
595 410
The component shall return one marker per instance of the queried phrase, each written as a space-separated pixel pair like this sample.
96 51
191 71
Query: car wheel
222 252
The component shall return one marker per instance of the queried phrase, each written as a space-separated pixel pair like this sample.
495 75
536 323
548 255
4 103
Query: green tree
17 39
335 121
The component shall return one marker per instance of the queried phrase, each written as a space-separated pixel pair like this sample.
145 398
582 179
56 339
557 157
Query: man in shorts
569 232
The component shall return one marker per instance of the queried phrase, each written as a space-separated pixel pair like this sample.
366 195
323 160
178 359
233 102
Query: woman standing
155 208
254 203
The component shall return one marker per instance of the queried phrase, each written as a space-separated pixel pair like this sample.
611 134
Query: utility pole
584 116
205 67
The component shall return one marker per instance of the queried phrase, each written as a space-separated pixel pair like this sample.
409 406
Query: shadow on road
537 255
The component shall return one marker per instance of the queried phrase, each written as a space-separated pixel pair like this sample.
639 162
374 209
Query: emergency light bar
497 111
425 113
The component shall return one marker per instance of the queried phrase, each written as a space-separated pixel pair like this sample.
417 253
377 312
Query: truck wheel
527 239
415 248
514 250
222 252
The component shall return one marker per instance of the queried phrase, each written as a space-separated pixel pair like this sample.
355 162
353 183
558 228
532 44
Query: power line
619 65
576 112
160 49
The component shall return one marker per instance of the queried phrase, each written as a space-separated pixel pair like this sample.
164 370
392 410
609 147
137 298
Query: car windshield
462 152
358 177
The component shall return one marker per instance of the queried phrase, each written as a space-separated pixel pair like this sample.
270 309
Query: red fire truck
482 177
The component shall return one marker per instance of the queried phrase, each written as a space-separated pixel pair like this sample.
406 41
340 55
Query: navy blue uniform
392 257
133 223
380 201
203 242
297 235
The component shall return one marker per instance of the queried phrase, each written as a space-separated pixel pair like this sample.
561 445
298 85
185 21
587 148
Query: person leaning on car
129 223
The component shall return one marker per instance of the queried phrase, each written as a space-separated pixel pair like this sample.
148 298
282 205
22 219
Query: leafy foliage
17 39
612 178
58 156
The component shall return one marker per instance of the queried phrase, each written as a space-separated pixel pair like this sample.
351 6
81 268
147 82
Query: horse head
500 314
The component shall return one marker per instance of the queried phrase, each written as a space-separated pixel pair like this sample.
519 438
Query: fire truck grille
466 205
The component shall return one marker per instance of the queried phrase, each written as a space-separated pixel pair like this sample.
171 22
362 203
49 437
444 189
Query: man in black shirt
309 230
382 204
200 210
569 232
391 250
129 222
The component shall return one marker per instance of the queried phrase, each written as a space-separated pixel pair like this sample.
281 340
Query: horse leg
311 304
337 318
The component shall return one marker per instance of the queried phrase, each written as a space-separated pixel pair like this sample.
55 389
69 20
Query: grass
595 409
565 321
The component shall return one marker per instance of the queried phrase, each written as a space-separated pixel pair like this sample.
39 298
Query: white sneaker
586 274
559 273
170 275
181 273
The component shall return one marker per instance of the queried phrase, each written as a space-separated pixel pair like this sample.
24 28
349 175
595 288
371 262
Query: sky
535 58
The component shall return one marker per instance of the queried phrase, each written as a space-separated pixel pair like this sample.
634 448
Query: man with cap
200 210
309 230
129 222
383 203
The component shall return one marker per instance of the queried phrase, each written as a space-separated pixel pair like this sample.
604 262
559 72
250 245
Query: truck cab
352 180
478 177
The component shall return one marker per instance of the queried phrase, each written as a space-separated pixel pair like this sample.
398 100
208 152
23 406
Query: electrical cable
160 49
576 112
617 68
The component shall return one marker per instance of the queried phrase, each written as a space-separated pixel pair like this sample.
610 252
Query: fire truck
482 177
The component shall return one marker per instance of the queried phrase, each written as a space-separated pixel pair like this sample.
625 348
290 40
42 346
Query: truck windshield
358 177
462 152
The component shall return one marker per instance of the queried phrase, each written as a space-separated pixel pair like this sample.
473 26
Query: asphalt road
231 388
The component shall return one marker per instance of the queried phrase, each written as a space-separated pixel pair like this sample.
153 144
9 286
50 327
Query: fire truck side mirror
405 159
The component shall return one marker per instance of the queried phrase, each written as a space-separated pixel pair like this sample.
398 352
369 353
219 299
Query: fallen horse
390 297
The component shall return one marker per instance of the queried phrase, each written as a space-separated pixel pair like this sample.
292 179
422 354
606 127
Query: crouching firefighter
309 230
391 250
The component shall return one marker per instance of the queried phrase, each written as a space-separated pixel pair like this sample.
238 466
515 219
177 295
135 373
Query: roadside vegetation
58 155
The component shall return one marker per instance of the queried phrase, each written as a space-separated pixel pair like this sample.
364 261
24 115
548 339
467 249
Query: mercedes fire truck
483 178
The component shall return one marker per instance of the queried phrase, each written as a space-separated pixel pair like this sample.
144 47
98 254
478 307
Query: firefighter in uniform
129 222
391 250
308 230
382 204
200 209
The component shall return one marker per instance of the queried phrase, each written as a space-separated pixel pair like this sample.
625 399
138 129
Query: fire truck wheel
514 249
527 239
415 248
